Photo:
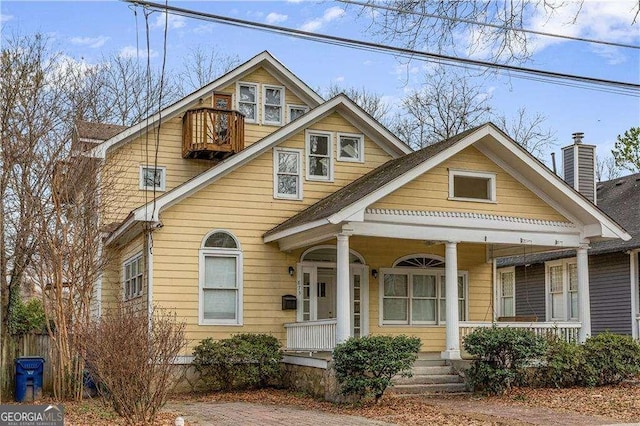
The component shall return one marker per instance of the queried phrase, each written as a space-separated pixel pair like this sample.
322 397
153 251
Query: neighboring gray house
544 286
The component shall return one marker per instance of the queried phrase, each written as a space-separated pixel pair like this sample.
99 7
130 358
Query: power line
487 24
619 87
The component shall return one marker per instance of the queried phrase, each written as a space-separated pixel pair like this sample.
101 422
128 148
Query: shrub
130 353
242 361
565 364
501 355
28 317
365 366
610 358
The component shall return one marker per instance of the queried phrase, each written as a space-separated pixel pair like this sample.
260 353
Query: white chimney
579 165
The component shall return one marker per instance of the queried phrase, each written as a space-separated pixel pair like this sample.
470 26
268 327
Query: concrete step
430 355
430 363
424 371
428 379
427 388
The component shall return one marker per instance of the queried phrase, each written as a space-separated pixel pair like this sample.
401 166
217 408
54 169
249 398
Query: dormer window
248 101
467 185
273 107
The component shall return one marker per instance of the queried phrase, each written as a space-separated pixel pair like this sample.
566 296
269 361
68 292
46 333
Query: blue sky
87 30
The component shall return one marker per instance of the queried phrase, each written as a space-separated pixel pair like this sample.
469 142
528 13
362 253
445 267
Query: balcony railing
311 335
567 331
209 133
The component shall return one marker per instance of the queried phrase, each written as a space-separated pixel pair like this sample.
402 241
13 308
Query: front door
326 293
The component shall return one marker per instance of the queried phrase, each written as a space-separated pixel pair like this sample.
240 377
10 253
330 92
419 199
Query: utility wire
487 24
619 87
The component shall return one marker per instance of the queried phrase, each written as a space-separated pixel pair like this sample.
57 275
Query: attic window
152 178
472 186
248 101
350 147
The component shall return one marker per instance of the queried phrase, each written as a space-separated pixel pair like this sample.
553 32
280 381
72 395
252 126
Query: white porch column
343 323
582 260
452 350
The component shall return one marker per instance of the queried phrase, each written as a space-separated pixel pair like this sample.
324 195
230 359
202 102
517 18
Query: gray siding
530 297
610 291
586 172
567 165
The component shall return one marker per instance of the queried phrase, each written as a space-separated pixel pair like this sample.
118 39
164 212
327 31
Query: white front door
326 293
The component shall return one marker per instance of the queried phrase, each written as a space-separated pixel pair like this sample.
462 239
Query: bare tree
201 66
529 131
369 101
607 169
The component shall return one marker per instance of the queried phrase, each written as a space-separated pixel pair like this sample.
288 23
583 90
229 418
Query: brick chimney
579 165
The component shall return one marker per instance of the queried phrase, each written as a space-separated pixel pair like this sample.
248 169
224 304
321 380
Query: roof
619 198
97 131
366 184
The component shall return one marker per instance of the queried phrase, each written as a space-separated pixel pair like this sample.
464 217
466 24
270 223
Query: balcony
212 134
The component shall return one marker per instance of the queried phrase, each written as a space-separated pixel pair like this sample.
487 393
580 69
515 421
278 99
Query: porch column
343 324
452 350
582 260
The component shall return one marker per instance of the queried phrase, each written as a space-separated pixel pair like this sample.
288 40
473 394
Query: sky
89 30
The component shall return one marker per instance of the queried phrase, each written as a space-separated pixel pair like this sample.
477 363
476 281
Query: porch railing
311 335
568 331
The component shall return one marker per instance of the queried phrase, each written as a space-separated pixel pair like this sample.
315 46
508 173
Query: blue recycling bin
29 372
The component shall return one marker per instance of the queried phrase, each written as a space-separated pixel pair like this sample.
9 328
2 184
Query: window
296 111
562 290
472 186
350 147
152 178
319 149
248 101
287 166
507 292
133 271
273 108
220 280
413 296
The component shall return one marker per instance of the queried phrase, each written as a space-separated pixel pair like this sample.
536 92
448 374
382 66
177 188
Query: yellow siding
112 278
431 190
242 202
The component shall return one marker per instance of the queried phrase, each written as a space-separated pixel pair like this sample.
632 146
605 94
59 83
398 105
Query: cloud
339 79
92 42
275 18
204 29
130 52
174 21
329 15
6 18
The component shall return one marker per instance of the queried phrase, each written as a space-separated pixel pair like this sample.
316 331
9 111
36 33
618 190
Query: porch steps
430 375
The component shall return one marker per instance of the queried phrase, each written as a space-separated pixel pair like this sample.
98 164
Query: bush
501 355
365 366
610 358
28 317
130 354
242 361
565 364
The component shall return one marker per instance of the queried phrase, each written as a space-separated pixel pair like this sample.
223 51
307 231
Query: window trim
409 271
163 178
307 141
135 258
565 290
236 253
263 103
291 106
276 194
360 138
474 174
256 103
499 297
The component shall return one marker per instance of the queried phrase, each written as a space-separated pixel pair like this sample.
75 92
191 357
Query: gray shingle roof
97 131
620 199
366 184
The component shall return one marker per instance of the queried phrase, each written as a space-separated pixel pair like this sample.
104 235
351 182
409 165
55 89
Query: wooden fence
30 345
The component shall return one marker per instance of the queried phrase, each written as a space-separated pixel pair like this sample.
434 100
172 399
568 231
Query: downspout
150 274
635 290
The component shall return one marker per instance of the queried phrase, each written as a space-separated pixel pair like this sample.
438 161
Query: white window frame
125 286
360 138
163 178
220 252
566 292
473 174
409 271
276 194
293 106
329 135
264 105
499 296
256 103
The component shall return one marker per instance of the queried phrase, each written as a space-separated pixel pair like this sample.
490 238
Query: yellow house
253 205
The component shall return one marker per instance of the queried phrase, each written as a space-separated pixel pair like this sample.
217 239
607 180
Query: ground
578 406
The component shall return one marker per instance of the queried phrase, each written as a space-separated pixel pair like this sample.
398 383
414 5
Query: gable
430 192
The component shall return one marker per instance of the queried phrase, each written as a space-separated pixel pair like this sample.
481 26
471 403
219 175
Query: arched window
420 261
220 279
329 254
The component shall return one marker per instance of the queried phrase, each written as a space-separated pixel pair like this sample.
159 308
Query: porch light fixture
374 273
291 271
